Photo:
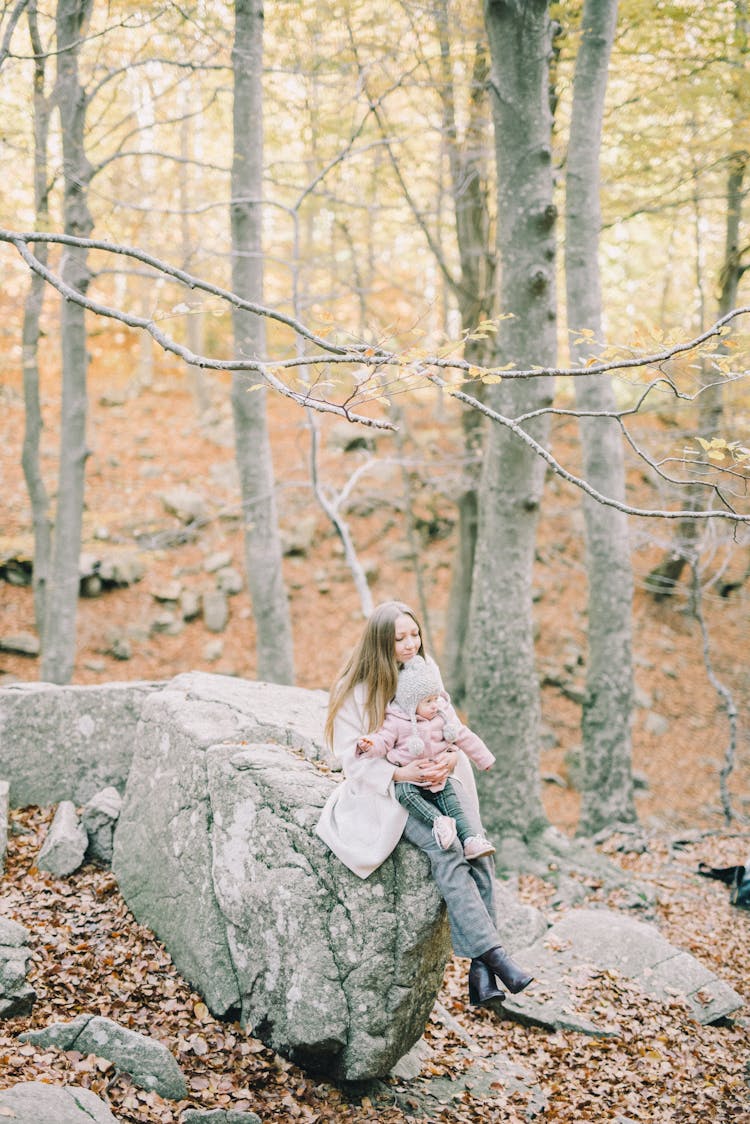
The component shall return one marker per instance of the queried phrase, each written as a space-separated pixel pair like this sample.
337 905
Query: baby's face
429 707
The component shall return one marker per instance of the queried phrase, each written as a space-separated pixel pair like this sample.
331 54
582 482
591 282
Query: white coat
362 821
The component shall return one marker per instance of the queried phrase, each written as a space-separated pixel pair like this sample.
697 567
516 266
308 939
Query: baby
421 723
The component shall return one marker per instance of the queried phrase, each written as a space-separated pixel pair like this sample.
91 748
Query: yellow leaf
716 455
703 443
491 379
256 386
475 372
201 1011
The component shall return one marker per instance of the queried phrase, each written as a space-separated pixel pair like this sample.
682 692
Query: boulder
147 1062
215 850
21 644
67 743
35 1102
215 610
65 843
16 995
99 817
586 942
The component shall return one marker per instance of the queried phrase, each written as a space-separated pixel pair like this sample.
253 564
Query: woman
362 821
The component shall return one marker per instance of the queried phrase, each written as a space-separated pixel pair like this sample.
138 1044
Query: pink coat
390 741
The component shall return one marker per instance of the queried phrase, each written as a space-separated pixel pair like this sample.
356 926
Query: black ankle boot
498 961
482 984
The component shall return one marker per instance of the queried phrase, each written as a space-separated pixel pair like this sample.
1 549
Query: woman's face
408 640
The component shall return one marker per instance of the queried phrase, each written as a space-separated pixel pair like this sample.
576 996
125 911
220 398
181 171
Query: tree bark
253 450
503 686
33 422
476 295
58 656
607 792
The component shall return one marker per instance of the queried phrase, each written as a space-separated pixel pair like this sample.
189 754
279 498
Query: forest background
383 248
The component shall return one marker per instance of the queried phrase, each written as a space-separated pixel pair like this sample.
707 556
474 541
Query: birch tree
607 790
262 542
502 681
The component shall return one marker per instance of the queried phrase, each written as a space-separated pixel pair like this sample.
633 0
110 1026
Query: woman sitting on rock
363 821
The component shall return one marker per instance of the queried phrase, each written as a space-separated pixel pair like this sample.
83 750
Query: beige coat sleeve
361 821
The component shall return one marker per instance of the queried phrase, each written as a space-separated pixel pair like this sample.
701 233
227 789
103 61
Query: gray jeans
467 888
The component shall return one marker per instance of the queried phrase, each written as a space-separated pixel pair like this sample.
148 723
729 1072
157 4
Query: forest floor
89 952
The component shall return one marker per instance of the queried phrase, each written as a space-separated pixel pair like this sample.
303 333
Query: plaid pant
427 806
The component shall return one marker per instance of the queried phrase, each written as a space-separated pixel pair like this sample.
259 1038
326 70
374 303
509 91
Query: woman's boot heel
482 985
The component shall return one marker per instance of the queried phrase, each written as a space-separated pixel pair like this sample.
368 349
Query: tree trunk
607 794
503 686
476 296
33 422
253 450
58 657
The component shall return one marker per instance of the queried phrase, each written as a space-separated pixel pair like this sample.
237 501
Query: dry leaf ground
89 955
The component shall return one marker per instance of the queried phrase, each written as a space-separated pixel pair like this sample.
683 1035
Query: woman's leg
466 889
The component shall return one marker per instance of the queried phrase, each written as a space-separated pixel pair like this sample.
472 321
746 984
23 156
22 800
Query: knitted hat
417 680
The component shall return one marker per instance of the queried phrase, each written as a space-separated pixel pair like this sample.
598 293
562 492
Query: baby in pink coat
421 723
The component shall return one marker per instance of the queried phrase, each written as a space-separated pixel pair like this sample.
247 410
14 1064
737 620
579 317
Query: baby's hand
363 746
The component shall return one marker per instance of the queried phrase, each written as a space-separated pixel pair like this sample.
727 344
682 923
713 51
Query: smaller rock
148 1063
656 724
99 817
65 844
169 592
189 506
190 604
229 580
213 651
121 569
114 397
297 541
642 698
36 1102
217 561
215 610
16 995
91 586
167 623
21 644
95 665
121 648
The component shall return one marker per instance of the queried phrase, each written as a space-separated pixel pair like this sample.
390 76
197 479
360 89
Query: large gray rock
16 995
147 1062
34 1102
67 743
215 850
99 817
586 942
65 843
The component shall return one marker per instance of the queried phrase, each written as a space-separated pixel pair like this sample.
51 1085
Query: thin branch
170 345
15 16
578 481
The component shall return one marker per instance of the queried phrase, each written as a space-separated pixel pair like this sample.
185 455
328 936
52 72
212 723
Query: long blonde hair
373 662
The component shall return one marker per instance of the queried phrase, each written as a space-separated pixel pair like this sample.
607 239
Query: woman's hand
435 770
